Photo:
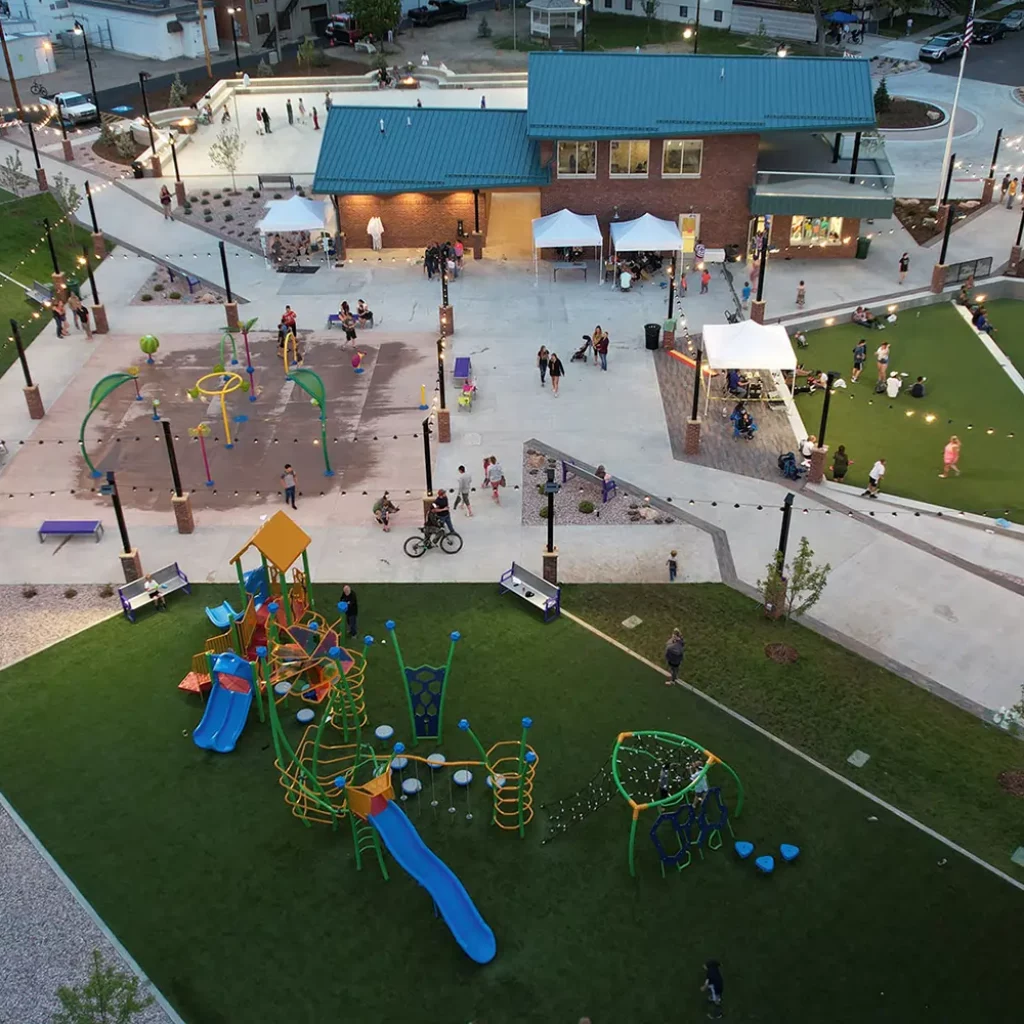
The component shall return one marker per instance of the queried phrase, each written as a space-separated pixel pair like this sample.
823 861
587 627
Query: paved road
1001 62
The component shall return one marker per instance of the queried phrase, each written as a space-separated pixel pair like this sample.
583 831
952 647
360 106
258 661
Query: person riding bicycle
382 509
433 529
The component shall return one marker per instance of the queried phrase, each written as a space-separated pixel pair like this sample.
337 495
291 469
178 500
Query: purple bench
70 528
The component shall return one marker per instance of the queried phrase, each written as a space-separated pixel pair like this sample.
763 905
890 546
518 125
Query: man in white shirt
893 385
463 486
874 479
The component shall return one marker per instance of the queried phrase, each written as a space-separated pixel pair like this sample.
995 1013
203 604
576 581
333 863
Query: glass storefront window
816 231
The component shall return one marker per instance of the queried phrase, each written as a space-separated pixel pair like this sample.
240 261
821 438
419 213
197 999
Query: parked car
343 30
938 48
74 107
1014 21
988 31
438 11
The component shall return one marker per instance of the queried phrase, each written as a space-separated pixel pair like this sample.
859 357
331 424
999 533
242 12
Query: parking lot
1001 62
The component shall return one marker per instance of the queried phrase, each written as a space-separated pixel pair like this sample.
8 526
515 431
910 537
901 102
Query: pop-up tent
292 216
646 234
747 346
566 229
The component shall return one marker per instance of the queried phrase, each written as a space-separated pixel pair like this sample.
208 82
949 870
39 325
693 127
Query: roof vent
382 126
408 122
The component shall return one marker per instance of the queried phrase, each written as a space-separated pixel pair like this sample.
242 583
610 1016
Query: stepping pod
789 853
743 848
765 865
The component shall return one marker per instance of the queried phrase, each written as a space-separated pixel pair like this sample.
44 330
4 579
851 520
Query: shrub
204 202
70 593
543 512
29 592
255 195
193 199
216 195
484 30
586 507
249 188
158 287
206 191
106 590
124 143
883 101
227 202
277 195
146 297
174 295
188 210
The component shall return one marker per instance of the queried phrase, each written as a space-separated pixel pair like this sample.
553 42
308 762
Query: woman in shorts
882 360
495 477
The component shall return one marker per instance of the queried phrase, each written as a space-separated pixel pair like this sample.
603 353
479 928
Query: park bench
190 279
135 596
275 179
566 265
70 528
463 370
39 293
606 483
533 589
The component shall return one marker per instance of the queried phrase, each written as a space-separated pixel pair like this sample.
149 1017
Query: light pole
234 36
671 288
80 31
695 31
10 73
583 34
143 78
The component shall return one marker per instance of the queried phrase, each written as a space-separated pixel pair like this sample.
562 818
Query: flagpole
956 99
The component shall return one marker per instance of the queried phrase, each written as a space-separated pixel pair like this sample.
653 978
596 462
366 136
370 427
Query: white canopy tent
646 234
293 216
566 229
746 346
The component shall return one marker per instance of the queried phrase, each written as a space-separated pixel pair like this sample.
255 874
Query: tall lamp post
99 313
69 152
583 33
234 35
1016 263
445 316
79 30
444 416
757 306
33 399
154 160
60 287
816 473
131 564
550 554
695 31
10 74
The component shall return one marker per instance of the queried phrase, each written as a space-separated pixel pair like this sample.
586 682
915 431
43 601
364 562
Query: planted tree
12 174
264 70
178 93
109 995
376 16
306 54
650 9
124 143
68 199
883 101
796 589
226 152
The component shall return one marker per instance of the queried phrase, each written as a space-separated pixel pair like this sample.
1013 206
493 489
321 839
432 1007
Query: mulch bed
1012 781
917 216
904 113
781 653
109 152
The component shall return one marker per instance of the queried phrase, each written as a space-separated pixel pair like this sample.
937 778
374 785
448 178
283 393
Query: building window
284 21
684 12
717 16
608 4
629 5
577 159
262 24
816 231
681 158
629 158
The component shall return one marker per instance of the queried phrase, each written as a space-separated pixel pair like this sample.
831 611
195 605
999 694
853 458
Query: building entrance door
689 228
510 217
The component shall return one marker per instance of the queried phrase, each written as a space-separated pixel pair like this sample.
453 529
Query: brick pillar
41 180
757 311
1016 267
231 312
691 438
668 339
99 245
131 565
817 471
444 425
446 319
60 286
69 151
183 513
179 192
34 401
550 566
941 216
156 167
341 246
775 601
987 188
99 320
476 243
938 278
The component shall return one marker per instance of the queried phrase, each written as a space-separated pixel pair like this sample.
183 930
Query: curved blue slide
227 709
449 894
222 615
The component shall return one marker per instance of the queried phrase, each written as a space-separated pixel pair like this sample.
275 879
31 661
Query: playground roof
280 540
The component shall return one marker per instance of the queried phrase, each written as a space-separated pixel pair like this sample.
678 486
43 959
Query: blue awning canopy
841 17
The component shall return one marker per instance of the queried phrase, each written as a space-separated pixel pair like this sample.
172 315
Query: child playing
801 294
673 566
746 294
155 593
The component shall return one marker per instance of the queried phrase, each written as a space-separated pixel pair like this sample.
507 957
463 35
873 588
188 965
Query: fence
959 272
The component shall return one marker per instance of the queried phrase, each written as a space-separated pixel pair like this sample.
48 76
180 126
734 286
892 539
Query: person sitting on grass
917 388
155 592
982 322
862 315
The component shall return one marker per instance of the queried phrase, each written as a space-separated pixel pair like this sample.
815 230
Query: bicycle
38 89
433 537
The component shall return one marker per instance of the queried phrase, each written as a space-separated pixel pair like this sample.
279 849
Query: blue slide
222 615
228 707
256 584
449 894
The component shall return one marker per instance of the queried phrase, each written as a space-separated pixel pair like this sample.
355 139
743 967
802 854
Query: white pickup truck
72 107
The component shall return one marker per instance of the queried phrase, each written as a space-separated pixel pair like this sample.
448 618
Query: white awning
646 234
566 228
295 214
748 346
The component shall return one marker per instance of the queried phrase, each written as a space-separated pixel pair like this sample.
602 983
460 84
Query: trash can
863 244
137 169
652 335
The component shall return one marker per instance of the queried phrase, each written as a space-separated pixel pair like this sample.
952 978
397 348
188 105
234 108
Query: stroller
580 355
790 468
731 317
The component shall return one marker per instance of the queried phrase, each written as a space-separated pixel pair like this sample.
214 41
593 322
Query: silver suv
1014 21
938 48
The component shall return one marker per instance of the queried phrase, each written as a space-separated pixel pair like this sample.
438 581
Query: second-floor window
681 158
717 16
629 5
628 158
577 159
684 12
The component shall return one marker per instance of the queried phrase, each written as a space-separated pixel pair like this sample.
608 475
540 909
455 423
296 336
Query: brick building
723 146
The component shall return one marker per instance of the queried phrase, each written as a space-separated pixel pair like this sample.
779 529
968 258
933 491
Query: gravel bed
46 936
33 624
623 509
160 287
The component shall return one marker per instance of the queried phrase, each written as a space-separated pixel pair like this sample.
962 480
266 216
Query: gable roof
627 95
425 150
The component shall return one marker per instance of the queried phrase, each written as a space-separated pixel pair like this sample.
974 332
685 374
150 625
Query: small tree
12 174
124 143
110 995
484 30
376 16
107 135
883 101
178 92
68 199
802 586
306 54
226 152
650 9
263 69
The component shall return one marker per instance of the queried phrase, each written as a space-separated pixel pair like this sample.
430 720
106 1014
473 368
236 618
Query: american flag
969 31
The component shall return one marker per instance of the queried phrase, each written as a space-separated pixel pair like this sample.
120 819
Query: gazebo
565 17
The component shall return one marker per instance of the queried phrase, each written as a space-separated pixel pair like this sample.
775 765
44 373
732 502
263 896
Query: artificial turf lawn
22 231
1008 317
967 393
238 913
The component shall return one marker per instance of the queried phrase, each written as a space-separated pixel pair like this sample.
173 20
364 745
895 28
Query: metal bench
606 483
70 528
463 370
564 265
275 179
533 589
135 596
39 293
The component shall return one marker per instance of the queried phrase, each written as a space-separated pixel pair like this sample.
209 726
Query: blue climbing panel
426 694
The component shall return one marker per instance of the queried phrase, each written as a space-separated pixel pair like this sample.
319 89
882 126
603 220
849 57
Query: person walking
302 111
705 280
673 565
290 481
1011 194
288 108
875 479
542 363
495 477
594 339
675 648
60 318
840 464
259 121
463 486
801 295
882 360
316 121
349 599
80 313
682 282
328 101
483 102
950 457
713 984
602 351
165 202
1003 186
266 120
904 266
746 294
556 371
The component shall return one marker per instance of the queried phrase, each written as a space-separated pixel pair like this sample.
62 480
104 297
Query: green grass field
196 864
1008 317
22 231
967 395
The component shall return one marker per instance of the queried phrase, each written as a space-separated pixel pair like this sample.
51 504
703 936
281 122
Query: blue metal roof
425 150
629 95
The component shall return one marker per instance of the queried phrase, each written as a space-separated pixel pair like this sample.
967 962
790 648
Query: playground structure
424 689
313 385
289 340
229 383
104 387
663 772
